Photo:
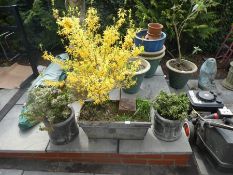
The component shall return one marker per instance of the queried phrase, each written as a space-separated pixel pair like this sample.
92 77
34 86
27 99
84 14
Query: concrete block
6 95
152 145
22 99
13 139
52 173
150 88
10 172
159 71
84 145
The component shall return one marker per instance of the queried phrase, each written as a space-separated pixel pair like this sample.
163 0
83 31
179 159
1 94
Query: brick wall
103 158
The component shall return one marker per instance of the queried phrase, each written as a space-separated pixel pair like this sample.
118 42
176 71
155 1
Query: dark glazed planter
138 78
154 59
178 79
63 132
167 130
149 45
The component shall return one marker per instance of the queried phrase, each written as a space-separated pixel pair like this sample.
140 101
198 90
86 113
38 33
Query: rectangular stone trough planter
115 130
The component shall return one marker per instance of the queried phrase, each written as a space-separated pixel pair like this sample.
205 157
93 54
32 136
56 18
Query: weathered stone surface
22 99
207 74
52 173
159 71
83 144
127 105
12 138
115 94
10 172
150 88
5 96
152 145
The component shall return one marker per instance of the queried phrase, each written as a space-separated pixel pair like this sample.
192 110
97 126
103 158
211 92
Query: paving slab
82 144
5 96
138 170
152 145
52 173
159 71
10 172
150 88
22 99
13 139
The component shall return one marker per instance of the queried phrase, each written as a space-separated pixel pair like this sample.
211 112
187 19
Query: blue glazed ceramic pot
149 45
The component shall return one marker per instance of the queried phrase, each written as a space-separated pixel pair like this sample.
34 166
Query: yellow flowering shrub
98 62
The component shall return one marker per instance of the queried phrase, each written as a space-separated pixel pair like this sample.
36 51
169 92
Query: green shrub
195 31
48 103
172 106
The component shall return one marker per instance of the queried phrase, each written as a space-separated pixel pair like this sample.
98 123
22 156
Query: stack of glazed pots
153 41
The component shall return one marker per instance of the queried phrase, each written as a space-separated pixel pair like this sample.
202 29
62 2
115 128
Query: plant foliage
98 62
172 106
48 104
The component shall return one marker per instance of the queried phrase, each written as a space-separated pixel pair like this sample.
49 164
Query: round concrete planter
63 132
154 59
228 82
138 78
149 45
167 130
178 79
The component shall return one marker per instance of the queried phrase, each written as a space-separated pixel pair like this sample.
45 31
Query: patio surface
150 152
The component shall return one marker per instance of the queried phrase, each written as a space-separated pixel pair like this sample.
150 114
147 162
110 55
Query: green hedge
207 31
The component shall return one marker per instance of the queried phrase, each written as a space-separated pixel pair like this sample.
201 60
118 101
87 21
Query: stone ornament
228 82
207 74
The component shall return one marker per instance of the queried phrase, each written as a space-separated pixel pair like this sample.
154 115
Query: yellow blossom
98 63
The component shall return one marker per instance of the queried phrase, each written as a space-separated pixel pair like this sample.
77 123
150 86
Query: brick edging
107 158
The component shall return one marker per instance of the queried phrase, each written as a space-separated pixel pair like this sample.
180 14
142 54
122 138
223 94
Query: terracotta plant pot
154 31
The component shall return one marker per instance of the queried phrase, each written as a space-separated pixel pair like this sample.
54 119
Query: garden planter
228 82
177 78
138 77
109 128
154 31
154 59
149 45
63 132
115 130
167 130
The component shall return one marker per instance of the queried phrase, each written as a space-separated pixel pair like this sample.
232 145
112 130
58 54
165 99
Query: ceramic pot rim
154 54
146 64
145 30
159 26
192 65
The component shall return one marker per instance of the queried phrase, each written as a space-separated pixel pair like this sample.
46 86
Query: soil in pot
109 112
180 73
180 65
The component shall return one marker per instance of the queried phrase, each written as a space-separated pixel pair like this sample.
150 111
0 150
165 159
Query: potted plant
170 112
50 106
179 69
144 67
100 62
